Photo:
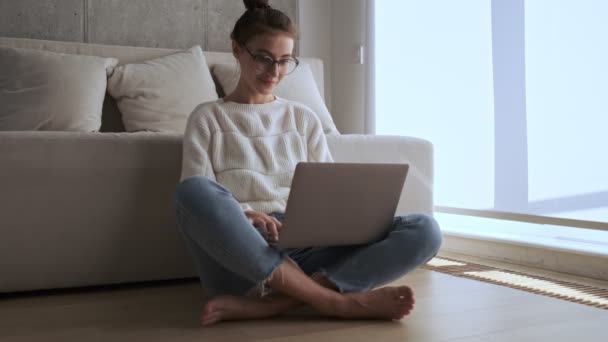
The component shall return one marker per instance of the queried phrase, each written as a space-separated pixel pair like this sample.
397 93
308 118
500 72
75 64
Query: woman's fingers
272 228
260 224
273 232
277 223
267 225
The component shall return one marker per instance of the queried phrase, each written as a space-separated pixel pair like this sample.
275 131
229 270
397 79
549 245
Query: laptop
332 204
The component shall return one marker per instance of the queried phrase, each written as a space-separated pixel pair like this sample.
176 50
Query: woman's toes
407 294
210 314
208 308
402 294
211 317
402 313
210 320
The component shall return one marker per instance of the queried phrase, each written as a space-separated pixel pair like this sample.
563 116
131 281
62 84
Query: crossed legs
232 258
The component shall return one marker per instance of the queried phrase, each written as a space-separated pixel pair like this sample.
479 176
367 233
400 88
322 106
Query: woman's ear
236 49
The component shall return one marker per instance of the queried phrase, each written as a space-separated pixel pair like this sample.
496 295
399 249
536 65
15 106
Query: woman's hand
267 225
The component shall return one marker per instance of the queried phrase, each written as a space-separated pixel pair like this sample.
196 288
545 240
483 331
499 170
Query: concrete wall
154 23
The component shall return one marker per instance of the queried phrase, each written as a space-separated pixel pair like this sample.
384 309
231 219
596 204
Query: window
511 93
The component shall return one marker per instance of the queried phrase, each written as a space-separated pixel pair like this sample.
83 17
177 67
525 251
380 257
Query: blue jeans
232 257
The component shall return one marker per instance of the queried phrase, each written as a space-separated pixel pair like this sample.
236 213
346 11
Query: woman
239 155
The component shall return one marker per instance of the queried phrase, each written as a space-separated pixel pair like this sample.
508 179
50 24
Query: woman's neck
248 100
239 95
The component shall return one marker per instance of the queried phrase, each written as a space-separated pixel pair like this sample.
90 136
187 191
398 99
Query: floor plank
448 309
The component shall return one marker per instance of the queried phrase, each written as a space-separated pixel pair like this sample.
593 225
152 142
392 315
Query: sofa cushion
158 95
111 119
42 90
298 86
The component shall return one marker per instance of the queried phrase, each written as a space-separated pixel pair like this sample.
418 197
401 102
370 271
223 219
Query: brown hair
260 18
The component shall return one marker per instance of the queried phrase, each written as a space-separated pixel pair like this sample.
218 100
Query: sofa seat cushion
43 90
158 95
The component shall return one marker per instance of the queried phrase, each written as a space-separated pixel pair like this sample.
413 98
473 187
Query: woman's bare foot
225 308
252 306
295 287
383 303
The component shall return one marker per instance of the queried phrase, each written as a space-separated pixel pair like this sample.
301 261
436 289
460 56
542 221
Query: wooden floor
447 308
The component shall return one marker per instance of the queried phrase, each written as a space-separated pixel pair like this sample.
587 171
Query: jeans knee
431 233
193 190
428 232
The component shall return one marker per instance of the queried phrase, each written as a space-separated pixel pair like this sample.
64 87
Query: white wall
315 41
333 31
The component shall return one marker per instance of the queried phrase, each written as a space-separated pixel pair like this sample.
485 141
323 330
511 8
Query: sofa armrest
417 193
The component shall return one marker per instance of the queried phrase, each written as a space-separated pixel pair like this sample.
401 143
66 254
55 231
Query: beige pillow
298 86
158 95
49 91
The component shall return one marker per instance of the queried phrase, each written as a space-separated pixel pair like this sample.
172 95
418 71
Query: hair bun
255 4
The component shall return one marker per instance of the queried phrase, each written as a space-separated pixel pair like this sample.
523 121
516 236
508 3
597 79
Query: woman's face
259 74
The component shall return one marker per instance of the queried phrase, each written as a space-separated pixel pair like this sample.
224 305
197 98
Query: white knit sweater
252 149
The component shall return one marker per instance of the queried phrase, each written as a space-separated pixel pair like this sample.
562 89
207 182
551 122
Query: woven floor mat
583 294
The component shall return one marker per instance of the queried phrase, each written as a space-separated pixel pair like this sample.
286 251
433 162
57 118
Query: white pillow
158 95
299 86
49 91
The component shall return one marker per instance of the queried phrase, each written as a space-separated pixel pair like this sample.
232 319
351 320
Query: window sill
556 248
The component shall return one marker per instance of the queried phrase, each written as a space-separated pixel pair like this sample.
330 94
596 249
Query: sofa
94 208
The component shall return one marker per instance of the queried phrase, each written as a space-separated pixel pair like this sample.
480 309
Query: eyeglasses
264 63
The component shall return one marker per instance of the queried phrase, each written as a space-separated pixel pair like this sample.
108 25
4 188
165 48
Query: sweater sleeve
318 150
245 206
195 146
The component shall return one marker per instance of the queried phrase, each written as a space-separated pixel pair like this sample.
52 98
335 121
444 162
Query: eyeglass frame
274 61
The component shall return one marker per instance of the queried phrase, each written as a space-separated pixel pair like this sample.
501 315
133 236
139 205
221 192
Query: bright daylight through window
511 93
